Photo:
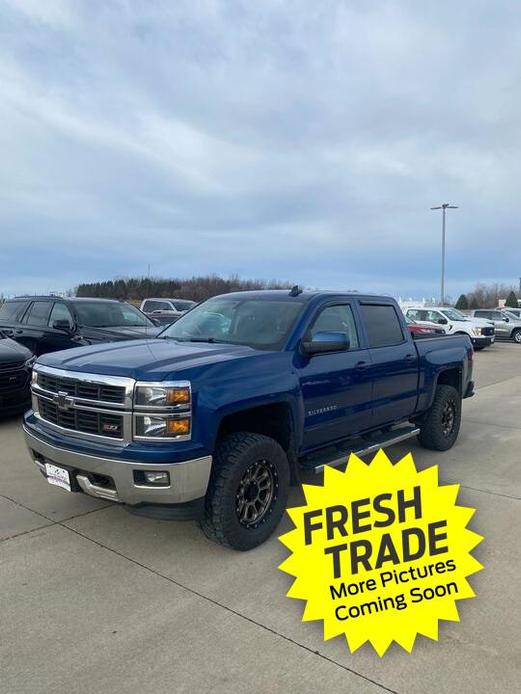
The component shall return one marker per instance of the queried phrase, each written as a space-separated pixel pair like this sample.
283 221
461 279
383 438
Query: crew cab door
62 337
36 329
336 387
32 329
394 362
11 313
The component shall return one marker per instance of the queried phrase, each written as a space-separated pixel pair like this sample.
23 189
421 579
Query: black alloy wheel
257 493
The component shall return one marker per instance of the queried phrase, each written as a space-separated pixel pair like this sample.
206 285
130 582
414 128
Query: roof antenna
295 290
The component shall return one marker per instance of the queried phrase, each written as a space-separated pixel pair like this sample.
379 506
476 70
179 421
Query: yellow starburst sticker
381 552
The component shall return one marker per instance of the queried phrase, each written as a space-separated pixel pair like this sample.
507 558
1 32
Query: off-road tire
516 336
434 429
235 456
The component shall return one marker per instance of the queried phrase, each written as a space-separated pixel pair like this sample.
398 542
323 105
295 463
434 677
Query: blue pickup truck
215 418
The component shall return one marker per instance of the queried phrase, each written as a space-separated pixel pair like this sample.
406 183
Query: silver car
507 324
166 311
515 311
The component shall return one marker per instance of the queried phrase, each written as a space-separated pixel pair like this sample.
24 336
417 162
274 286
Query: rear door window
10 311
433 316
382 325
417 314
38 313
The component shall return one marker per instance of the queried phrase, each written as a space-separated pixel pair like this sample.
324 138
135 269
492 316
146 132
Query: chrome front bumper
188 479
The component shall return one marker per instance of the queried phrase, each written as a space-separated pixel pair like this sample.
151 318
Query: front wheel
440 427
248 491
516 336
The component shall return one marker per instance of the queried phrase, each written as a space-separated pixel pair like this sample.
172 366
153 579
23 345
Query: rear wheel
516 336
440 427
248 491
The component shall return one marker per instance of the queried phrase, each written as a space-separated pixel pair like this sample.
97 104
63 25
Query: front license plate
58 476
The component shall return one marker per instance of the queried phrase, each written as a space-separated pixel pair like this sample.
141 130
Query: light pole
446 206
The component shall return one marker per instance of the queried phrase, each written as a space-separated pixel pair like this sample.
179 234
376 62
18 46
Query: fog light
157 478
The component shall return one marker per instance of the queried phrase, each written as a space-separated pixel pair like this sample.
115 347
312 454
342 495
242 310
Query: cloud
293 139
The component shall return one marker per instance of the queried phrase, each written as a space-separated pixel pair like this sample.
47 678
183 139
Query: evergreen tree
462 304
511 300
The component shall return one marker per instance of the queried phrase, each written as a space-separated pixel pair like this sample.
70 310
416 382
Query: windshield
454 314
98 314
183 305
258 323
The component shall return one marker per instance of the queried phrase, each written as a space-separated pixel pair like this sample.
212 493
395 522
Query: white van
481 332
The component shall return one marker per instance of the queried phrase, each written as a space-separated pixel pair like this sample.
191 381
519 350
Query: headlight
162 411
153 395
162 427
476 331
29 362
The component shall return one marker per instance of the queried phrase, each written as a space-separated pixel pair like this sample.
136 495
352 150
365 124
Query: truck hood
119 332
11 351
152 360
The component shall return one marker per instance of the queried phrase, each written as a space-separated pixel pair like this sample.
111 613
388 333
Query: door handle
410 357
361 365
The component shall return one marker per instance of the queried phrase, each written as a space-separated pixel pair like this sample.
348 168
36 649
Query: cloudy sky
288 139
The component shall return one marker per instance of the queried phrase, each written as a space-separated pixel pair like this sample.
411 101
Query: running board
389 439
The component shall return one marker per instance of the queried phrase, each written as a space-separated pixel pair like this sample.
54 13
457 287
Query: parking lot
94 599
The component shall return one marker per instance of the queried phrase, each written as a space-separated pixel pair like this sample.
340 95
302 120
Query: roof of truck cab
304 296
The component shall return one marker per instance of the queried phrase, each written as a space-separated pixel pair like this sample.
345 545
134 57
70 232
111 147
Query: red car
417 329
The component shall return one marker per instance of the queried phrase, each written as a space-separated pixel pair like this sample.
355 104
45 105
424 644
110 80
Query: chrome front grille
86 420
98 407
86 405
85 390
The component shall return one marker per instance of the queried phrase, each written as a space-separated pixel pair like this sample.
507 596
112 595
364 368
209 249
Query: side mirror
155 321
324 342
442 321
62 324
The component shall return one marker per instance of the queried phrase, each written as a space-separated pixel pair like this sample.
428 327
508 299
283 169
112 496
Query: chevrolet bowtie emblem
63 400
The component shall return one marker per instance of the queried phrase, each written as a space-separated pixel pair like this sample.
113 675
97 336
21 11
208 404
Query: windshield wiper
211 340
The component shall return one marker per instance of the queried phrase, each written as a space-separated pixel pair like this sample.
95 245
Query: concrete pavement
93 599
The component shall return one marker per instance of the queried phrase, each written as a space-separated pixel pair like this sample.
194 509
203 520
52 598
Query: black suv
49 323
15 369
